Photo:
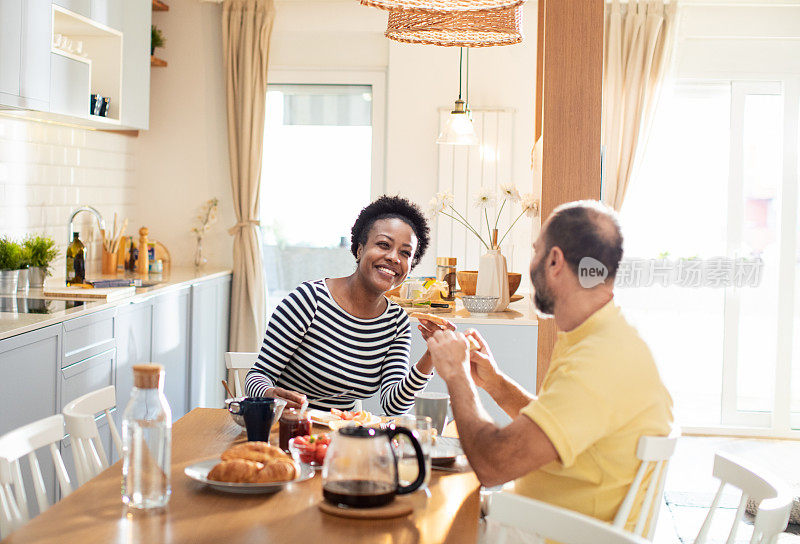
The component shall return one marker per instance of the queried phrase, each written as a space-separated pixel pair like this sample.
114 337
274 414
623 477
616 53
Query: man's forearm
475 428
508 394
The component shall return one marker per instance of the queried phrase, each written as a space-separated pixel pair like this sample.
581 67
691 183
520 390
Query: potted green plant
157 39
42 252
10 260
24 265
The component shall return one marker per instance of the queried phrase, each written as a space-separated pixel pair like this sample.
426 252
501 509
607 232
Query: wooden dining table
447 512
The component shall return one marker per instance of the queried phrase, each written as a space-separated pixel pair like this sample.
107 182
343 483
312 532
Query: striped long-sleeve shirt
314 347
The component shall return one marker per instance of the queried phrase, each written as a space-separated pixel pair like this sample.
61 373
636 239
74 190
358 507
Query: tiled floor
690 487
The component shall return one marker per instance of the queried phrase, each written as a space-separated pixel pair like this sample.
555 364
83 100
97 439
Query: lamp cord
466 86
460 70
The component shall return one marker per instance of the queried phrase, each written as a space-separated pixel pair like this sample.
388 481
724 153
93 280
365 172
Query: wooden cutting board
105 294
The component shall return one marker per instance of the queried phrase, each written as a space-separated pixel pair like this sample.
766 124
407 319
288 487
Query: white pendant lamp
459 129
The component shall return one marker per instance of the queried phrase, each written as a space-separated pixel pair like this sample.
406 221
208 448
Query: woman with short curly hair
338 335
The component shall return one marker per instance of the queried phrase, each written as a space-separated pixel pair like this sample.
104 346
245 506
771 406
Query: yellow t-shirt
601 393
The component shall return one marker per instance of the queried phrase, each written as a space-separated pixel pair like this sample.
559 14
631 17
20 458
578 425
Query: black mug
259 414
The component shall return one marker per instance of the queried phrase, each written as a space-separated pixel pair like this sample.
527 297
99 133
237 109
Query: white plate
199 472
326 418
445 451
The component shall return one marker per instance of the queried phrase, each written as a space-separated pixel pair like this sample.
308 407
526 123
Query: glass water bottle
146 440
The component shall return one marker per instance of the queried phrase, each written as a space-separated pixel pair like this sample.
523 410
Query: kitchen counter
520 312
12 324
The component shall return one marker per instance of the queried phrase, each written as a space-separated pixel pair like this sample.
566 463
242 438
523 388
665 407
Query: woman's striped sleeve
285 331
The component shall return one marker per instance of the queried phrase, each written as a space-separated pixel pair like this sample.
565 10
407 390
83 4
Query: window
718 182
318 171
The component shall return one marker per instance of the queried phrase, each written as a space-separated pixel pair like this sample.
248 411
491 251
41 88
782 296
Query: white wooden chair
239 362
19 443
655 453
553 522
775 498
87 449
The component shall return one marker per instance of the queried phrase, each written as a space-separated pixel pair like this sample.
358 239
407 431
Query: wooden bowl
513 282
468 280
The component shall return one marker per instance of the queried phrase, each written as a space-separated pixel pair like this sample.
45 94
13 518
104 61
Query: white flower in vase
530 205
485 198
509 192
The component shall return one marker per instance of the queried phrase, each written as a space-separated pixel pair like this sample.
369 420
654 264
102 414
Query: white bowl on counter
478 305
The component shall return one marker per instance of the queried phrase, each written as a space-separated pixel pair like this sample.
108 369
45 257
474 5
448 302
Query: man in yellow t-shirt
573 445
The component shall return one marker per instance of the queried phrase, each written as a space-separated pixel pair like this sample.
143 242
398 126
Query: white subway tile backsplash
46 171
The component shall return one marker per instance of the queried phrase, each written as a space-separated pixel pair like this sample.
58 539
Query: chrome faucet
89 209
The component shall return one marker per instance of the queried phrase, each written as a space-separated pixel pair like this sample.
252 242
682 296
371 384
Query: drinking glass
433 405
407 468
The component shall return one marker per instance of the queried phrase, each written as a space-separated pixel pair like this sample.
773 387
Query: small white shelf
72 56
103 48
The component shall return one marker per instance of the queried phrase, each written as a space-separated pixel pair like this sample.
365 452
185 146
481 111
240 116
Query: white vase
493 278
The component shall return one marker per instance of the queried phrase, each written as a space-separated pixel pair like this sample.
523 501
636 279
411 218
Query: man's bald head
585 228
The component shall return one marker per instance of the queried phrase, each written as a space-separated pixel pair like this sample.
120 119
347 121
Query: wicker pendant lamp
458 28
442 6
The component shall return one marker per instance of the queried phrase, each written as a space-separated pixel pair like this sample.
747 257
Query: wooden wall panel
572 70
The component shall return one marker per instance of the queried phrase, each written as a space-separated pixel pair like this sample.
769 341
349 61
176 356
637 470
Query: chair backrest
239 362
655 453
19 443
87 449
774 496
556 523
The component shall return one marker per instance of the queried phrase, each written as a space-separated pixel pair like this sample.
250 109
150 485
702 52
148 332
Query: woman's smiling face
385 259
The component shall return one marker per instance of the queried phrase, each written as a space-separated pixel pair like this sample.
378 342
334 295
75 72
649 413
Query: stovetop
27 305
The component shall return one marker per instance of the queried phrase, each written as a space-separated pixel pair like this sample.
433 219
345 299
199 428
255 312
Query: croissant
236 471
260 452
277 470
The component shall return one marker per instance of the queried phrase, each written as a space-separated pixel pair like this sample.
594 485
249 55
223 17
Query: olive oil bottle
76 261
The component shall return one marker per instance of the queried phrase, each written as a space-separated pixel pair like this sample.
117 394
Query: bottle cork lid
147 376
446 261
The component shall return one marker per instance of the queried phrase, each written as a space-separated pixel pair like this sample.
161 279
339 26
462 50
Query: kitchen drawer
87 336
87 376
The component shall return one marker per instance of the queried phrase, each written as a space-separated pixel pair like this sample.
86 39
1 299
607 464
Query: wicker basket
456 29
442 6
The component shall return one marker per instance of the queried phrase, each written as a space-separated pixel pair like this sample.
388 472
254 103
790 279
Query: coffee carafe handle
413 486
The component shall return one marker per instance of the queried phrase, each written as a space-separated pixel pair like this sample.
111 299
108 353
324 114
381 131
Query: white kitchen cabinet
39 82
210 320
25 34
110 12
37 31
81 7
133 329
136 64
171 346
10 49
28 392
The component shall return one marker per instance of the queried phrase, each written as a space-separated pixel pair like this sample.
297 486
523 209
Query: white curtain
639 39
246 29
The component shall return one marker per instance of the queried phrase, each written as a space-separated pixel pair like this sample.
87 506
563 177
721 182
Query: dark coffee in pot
358 493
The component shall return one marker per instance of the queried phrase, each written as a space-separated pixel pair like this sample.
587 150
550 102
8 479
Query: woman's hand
427 328
483 367
293 399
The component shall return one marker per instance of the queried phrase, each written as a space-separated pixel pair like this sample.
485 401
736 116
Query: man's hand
293 399
450 353
483 367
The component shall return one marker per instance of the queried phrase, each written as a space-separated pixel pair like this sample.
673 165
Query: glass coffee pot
360 469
